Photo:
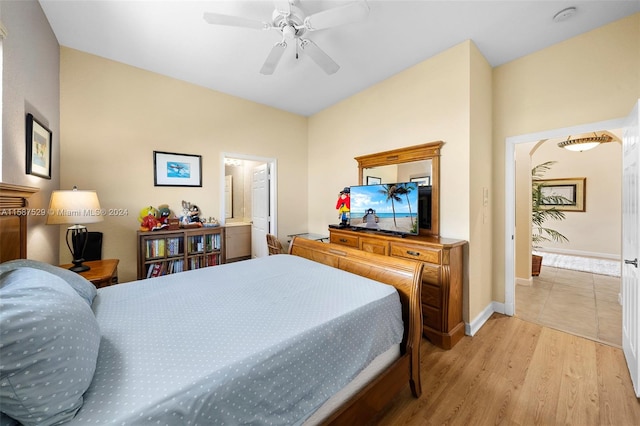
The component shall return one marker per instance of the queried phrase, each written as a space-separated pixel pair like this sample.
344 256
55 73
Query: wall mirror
421 164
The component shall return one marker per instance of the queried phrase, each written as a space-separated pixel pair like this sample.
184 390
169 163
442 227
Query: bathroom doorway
245 202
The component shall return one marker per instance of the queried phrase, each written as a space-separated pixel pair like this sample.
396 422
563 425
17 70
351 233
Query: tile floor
576 302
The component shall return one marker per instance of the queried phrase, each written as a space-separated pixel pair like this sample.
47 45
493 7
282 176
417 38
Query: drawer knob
343 240
413 253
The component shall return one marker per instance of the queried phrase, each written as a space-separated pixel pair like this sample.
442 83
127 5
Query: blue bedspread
265 341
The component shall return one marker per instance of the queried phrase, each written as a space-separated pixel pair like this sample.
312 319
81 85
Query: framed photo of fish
39 144
172 169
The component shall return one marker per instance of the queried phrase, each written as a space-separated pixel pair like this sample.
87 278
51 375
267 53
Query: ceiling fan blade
233 21
274 58
319 57
283 6
346 14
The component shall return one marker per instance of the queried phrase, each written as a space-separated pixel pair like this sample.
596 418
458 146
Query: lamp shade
585 142
582 146
74 207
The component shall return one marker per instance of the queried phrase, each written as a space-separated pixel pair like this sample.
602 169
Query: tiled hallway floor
579 303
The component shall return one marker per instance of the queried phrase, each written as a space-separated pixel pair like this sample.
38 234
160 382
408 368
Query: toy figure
344 206
165 213
194 214
186 207
148 219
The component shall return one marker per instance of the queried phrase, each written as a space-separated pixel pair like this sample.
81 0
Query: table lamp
75 208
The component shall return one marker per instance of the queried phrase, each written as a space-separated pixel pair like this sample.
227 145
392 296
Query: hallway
580 303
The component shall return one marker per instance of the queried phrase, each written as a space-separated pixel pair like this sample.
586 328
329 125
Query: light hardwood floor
514 372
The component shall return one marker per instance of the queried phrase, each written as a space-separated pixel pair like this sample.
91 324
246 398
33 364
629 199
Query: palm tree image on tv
391 192
405 189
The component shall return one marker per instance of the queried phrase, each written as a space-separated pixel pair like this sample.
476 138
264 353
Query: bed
275 340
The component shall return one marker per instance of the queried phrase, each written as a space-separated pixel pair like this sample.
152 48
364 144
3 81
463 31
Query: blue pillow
49 343
78 282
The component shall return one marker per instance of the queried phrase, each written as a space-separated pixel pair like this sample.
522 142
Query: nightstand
103 273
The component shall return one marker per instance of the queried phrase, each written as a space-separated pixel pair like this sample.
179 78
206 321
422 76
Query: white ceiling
172 38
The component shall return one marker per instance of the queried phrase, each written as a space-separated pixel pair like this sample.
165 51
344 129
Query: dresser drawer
431 317
431 295
345 240
425 254
373 245
431 274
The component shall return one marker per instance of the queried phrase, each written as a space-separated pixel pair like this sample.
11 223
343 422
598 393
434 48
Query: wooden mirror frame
427 151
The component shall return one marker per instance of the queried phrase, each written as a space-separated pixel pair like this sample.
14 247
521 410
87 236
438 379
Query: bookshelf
170 252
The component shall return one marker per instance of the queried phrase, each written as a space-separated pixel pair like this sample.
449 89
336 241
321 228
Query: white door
631 246
259 210
228 198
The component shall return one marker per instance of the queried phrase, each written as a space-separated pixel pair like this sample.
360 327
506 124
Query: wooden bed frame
13 220
404 275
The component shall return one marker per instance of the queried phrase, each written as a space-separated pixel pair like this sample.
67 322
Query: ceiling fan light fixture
289 32
565 14
293 23
584 142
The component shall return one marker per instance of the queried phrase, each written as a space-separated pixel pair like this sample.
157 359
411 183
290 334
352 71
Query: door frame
510 195
273 185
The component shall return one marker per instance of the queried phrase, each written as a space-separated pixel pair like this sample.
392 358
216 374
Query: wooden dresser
442 277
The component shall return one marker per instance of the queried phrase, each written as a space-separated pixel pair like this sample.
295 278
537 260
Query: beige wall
30 84
114 116
480 192
597 230
433 100
428 102
590 78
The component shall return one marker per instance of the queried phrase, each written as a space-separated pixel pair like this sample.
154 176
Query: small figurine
164 213
190 215
148 219
186 206
344 206
194 214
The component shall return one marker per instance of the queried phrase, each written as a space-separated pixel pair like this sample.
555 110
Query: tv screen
389 207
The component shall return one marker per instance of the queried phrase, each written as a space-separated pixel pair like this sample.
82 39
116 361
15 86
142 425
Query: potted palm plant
543 209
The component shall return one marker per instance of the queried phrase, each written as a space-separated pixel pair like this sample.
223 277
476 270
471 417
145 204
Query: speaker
93 250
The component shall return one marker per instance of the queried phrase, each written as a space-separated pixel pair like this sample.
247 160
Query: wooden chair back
274 245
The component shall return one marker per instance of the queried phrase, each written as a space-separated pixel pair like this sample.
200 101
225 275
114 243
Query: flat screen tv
389 207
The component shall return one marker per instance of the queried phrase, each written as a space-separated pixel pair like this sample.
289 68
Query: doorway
510 195
578 286
248 196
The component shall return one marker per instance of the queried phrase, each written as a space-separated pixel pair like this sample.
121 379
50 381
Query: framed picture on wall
172 169
421 180
372 180
570 191
39 145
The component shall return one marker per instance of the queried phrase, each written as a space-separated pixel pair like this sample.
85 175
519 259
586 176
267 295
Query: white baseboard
524 281
580 253
477 323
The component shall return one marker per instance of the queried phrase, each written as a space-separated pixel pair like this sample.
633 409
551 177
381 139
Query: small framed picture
39 145
569 193
421 180
172 169
372 180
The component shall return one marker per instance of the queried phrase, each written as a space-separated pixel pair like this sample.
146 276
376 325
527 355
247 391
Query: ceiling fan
292 22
